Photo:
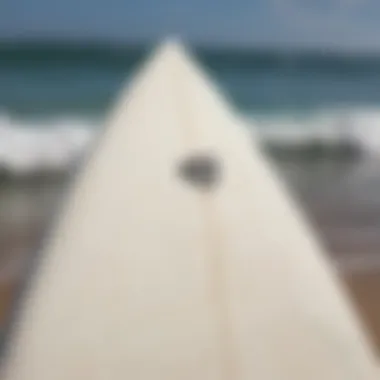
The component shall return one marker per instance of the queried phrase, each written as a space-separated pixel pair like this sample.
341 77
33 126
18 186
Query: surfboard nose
170 51
171 45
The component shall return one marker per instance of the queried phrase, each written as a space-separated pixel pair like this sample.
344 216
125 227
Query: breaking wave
334 134
30 147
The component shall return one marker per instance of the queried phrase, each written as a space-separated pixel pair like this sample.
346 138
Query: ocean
53 97
317 115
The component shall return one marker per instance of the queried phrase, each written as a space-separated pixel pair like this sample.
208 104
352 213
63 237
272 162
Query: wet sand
341 200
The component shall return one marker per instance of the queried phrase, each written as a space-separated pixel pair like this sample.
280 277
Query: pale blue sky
353 24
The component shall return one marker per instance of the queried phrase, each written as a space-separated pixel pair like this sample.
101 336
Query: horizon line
112 43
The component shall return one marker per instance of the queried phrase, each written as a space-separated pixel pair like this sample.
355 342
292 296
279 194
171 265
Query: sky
337 24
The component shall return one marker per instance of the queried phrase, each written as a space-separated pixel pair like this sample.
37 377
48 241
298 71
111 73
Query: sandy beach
338 198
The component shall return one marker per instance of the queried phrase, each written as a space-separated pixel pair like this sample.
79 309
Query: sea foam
27 148
32 146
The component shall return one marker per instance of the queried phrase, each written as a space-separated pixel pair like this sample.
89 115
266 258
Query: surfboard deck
180 255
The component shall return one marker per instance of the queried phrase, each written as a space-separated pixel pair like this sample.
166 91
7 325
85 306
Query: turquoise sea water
84 79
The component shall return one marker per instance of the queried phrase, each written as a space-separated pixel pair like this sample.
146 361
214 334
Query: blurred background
305 74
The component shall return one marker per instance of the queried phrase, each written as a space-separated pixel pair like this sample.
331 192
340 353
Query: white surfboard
180 256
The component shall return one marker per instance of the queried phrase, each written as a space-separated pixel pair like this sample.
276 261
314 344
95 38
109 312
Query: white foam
361 127
27 147
52 145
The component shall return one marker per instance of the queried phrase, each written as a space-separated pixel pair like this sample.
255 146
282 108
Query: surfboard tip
173 46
